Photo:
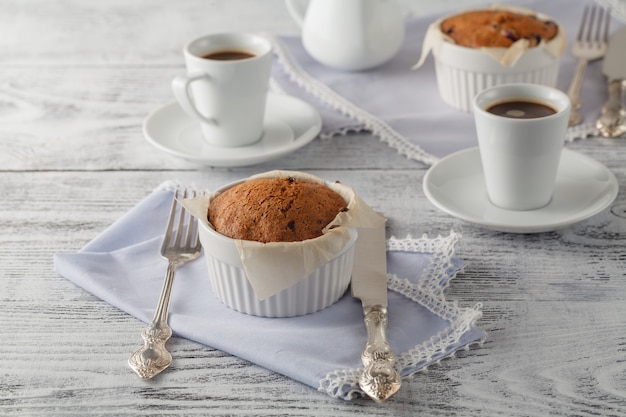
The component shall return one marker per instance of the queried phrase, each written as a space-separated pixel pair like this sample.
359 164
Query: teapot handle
297 10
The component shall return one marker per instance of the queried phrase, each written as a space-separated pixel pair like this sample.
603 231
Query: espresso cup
226 86
521 132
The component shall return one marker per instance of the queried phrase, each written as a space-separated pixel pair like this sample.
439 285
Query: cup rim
237 39
558 100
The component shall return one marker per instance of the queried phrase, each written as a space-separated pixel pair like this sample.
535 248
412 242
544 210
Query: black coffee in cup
521 109
228 55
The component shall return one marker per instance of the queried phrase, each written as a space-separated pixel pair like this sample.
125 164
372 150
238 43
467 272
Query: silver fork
587 49
184 246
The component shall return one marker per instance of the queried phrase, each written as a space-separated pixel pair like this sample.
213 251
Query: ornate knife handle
612 120
380 379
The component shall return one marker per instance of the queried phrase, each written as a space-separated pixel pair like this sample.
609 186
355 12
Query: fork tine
170 223
607 23
583 23
592 16
181 223
194 236
191 227
598 39
196 233
198 244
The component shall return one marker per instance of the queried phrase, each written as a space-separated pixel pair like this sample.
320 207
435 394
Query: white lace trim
343 131
371 123
581 131
429 292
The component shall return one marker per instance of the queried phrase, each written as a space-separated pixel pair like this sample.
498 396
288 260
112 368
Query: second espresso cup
226 86
521 131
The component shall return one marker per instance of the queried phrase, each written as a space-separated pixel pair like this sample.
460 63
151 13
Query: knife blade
379 379
612 120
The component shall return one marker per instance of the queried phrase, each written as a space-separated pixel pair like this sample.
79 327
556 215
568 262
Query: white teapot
349 34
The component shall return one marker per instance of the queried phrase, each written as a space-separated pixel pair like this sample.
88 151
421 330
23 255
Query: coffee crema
230 55
521 109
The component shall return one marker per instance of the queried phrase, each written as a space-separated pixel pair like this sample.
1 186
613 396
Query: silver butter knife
612 120
380 379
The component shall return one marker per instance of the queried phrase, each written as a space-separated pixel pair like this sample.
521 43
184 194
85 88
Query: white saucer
584 187
290 123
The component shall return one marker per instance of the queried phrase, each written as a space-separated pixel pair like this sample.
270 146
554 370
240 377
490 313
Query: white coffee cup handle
180 86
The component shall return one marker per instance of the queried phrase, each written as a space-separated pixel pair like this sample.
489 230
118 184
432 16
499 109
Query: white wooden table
76 81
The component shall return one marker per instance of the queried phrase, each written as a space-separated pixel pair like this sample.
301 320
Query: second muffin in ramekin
478 49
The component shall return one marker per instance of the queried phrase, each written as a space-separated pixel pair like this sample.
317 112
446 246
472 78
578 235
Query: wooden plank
76 81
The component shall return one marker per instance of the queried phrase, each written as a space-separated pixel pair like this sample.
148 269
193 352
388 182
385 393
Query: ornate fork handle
380 379
153 357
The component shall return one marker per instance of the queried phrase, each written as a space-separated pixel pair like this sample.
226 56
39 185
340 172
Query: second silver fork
180 245
591 44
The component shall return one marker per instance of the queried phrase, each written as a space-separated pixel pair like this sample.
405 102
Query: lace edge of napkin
582 131
343 131
343 383
325 94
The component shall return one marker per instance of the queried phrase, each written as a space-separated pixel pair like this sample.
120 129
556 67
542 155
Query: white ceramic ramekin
230 284
464 72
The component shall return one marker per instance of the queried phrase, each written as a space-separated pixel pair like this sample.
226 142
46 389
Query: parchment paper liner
507 57
272 267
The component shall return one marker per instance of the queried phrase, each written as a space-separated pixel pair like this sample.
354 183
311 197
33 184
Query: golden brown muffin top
497 28
275 210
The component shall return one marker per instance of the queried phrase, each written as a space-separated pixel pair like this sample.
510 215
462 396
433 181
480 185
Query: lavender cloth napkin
403 107
122 266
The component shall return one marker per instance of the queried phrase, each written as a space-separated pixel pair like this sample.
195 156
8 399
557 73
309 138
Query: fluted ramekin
463 72
320 289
